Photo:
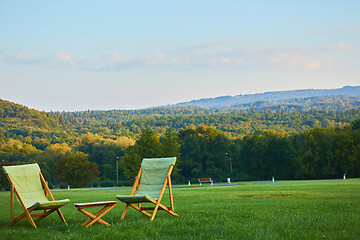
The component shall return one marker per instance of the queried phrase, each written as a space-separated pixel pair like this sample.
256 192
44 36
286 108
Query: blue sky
101 55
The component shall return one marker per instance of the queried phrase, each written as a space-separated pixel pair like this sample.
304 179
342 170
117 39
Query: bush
63 186
95 183
107 183
124 183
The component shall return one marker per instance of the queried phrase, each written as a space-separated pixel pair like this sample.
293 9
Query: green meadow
321 209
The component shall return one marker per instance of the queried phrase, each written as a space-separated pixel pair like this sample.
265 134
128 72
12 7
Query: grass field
326 209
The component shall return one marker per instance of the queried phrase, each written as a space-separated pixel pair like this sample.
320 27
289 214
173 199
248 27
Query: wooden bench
205 180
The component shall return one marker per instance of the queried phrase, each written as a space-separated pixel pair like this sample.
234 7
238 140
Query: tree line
204 151
207 152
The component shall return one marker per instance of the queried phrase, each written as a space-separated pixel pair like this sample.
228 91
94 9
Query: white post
228 180
273 179
189 183
344 176
68 187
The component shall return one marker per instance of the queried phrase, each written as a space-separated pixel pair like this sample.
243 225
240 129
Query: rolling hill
224 101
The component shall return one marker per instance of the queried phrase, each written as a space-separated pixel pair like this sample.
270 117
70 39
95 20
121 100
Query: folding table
93 218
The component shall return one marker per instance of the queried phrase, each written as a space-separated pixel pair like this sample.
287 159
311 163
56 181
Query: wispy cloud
342 46
298 59
116 57
227 54
68 58
21 58
350 29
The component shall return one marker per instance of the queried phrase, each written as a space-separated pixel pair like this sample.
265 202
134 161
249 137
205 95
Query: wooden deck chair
32 192
149 187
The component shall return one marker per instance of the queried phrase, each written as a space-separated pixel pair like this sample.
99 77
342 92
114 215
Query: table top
95 203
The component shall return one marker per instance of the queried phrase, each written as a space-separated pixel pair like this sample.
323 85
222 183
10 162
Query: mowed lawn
324 209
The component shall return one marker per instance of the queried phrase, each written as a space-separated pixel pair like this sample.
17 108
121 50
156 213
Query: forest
105 148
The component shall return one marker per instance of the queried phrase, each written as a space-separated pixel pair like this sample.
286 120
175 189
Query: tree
203 153
76 170
131 162
48 158
355 125
170 144
265 154
147 146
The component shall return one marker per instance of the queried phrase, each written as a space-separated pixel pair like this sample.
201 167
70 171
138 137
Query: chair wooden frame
93 218
158 205
27 211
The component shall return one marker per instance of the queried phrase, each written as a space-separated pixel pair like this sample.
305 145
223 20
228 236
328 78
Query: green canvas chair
149 187
32 192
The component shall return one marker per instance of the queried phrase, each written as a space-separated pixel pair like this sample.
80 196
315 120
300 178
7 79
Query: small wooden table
93 218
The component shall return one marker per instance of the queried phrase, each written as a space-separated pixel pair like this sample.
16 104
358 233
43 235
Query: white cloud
300 60
351 29
117 57
68 58
65 56
227 54
314 65
341 46
157 59
21 57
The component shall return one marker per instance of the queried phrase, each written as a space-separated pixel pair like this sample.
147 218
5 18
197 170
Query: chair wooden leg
16 219
45 214
141 209
26 211
168 209
30 219
124 212
155 210
61 216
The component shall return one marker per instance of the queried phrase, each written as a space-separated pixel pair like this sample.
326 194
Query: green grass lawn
327 209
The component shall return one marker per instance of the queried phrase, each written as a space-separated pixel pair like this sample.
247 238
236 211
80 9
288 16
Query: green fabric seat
154 171
149 186
29 186
50 204
134 198
27 182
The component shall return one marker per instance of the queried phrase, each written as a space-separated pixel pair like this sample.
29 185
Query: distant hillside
291 116
20 122
11 113
323 103
271 96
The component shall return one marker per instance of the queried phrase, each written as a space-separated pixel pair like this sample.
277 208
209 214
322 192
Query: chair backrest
26 179
153 175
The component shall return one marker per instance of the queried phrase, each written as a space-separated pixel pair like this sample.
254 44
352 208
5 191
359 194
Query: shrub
95 182
107 183
124 183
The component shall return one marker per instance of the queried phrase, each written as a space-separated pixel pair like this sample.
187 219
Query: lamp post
117 170
227 154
